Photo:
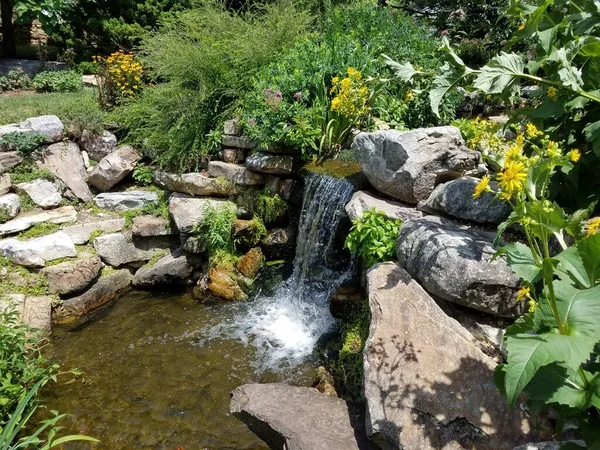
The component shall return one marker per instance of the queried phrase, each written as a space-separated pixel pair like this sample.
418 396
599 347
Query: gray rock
123 201
455 199
453 262
148 226
237 142
362 201
30 66
9 129
81 233
98 146
288 189
194 184
42 192
233 155
171 270
298 418
8 160
426 384
279 243
36 252
119 249
49 126
11 204
5 183
235 174
270 163
232 127
114 167
36 312
12 303
72 276
552 445
106 290
187 211
407 165
64 160
60 215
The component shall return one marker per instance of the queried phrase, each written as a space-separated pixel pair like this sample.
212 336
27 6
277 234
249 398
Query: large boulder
106 290
173 269
119 249
455 199
42 192
222 282
426 384
64 160
363 201
148 226
124 201
194 184
10 205
8 160
114 167
60 215
454 263
49 126
98 146
5 183
235 174
187 211
81 233
270 163
36 252
299 418
407 165
72 276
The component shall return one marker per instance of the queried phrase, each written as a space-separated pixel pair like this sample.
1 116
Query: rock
222 282
98 146
10 204
192 244
36 252
194 184
552 445
124 201
173 269
49 126
346 300
426 384
407 165
42 192
455 198
86 161
58 216
72 276
148 226
81 233
286 188
114 167
35 312
362 201
237 142
235 174
270 163
90 81
64 160
106 290
12 302
250 263
232 127
324 382
9 129
119 249
299 418
453 262
5 183
187 211
233 155
279 243
8 160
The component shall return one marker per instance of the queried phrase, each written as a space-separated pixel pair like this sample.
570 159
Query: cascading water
285 327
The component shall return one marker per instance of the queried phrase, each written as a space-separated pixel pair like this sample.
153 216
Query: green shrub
23 143
59 81
215 229
142 175
373 236
87 68
263 204
14 80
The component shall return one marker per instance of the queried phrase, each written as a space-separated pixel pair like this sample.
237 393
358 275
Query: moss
4 215
335 168
95 234
19 280
38 230
107 271
26 203
264 204
56 262
156 257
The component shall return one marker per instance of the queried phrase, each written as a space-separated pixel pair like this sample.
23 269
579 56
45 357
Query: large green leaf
449 78
521 261
589 251
592 134
405 71
579 309
501 75
570 267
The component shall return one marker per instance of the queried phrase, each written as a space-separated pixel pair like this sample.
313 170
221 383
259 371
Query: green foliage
28 171
19 280
14 80
159 208
87 68
4 215
60 81
215 228
38 230
263 204
26 203
373 236
23 143
142 175
205 68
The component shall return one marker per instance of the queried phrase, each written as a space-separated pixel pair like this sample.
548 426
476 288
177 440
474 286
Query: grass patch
26 203
28 171
19 280
159 208
155 258
38 230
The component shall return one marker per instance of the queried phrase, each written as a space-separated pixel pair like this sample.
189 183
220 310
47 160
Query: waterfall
285 327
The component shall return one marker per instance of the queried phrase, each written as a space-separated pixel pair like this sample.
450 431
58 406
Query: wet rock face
279 243
427 386
407 165
250 263
299 418
454 263
222 283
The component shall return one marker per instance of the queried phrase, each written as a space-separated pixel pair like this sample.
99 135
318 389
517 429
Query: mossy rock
338 169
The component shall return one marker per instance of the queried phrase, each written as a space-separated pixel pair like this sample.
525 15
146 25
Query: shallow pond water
154 380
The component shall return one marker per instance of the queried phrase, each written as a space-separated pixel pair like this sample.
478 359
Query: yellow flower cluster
593 226
484 135
123 71
525 294
350 95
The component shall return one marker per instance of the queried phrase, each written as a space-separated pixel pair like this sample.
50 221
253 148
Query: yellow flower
513 153
593 227
553 150
552 93
532 131
523 293
335 104
409 95
574 155
482 186
521 27
512 177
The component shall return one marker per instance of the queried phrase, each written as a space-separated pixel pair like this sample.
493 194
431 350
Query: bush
122 78
15 79
60 81
265 205
23 143
215 229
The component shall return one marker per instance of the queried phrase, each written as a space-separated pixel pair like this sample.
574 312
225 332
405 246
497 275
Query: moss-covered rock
249 264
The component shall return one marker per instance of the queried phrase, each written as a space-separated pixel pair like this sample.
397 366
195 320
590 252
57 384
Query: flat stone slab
299 418
194 184
81 233
119 249
270 163
114 167
235 174
123 201
187 211
42 192
64 160
60 215
148 226
11 204
427 385
363 201
36 252
72 276
8 160
454 263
